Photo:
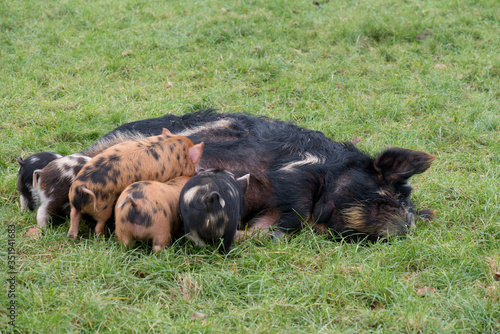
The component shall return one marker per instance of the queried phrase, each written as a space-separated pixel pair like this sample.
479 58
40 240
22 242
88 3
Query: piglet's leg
158 247
102 216
226 244
75 216
24 202
41 216
127 241
99 228
194 237
161 241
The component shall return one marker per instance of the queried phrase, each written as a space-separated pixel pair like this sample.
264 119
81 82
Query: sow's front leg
295 191
261 225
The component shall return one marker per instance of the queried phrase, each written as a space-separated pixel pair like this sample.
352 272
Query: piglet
38 161
102 179
29 196
52 184
211 205
149 210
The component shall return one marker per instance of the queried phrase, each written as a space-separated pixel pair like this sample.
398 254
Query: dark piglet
211 205
100 182
52 184
149 210
29 196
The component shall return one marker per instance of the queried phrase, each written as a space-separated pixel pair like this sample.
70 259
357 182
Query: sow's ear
195 152
400 163
20 161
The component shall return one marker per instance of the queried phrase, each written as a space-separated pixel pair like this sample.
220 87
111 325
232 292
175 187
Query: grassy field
417 74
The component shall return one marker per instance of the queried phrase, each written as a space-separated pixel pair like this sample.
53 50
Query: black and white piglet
29 196
52 184
211 204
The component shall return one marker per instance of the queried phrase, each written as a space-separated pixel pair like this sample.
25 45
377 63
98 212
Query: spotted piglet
52 184
29 196
149 210
100 182
211 206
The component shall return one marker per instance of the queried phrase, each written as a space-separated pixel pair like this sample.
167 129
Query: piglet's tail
91 193
128 198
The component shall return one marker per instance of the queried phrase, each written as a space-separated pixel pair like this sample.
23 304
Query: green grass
71 71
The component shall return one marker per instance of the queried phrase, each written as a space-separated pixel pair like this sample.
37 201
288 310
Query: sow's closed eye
324 212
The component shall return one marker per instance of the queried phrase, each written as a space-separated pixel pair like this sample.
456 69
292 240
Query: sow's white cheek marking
309 159
190 194
222 124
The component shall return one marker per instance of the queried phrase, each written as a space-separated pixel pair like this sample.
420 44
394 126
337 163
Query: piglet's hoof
240 235
277 236
72 236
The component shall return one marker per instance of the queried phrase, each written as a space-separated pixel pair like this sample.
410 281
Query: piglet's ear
195 152
166 132
399 163
36 175
214 197
243 182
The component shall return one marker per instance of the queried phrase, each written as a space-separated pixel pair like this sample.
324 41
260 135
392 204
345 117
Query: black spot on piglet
138 217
